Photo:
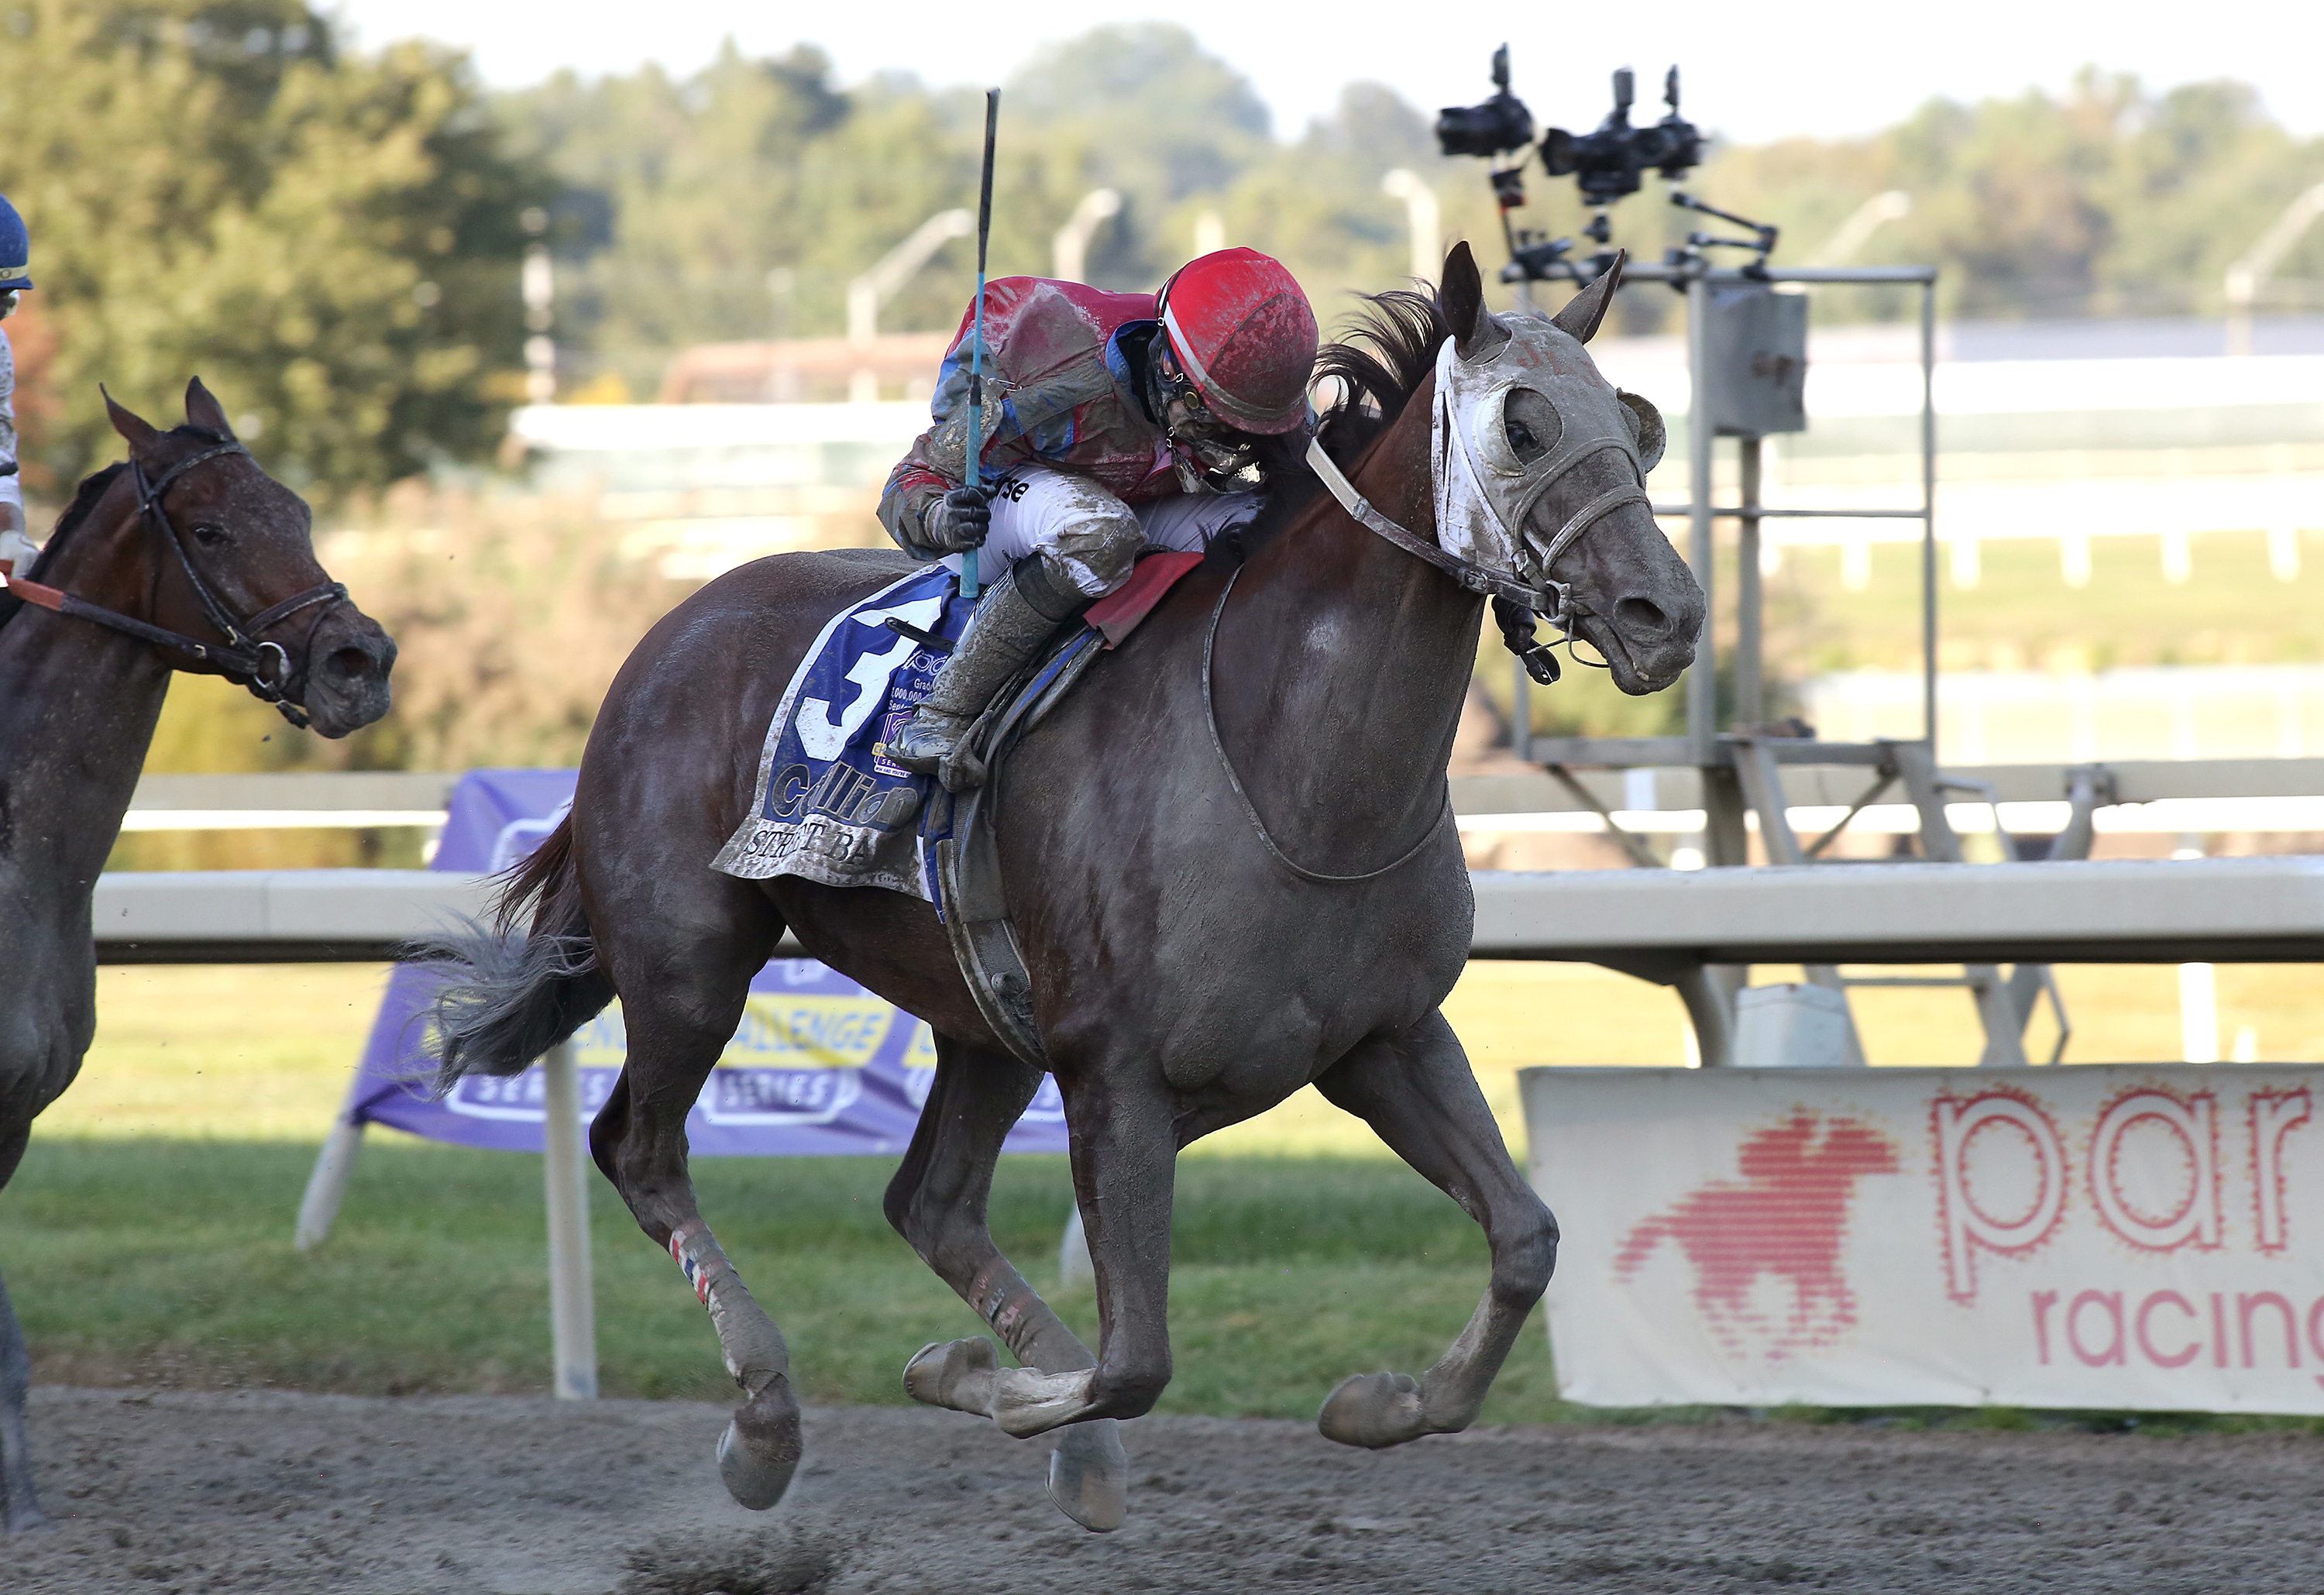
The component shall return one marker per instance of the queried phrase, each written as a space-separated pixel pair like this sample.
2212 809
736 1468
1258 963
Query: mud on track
280 1492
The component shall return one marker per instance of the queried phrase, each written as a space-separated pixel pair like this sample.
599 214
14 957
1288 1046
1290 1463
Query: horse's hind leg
20 1508
938 1204
1125 1153
681 997
1415 1088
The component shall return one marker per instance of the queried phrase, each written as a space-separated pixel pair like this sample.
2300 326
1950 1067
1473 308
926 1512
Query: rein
244 659
1515 603
1475 577
1250 810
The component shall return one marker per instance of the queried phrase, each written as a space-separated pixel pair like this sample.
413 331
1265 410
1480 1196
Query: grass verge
141 1261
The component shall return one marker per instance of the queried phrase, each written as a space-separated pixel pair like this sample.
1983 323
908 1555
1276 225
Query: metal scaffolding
1741 764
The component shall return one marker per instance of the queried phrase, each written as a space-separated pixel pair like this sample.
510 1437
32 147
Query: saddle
828 806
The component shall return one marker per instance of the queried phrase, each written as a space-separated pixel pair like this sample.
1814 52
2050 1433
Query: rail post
326 1187
572 1311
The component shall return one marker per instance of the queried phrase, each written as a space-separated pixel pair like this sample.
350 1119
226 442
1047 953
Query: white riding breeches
1093 539
12 490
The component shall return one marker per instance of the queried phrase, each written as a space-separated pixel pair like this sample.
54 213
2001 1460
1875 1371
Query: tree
2109 202
329 239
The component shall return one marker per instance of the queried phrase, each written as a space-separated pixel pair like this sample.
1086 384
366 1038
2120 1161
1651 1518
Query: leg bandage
753 1346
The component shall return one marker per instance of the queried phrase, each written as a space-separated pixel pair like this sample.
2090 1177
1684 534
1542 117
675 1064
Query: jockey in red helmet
1112 422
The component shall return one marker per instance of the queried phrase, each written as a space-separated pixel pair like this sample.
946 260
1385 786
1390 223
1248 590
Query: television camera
1607 163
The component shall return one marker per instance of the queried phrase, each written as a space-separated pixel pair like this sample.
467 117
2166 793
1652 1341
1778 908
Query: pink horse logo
1785 1218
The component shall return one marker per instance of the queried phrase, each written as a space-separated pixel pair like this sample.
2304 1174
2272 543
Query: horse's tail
511 996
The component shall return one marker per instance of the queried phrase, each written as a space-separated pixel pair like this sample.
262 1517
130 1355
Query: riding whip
976 343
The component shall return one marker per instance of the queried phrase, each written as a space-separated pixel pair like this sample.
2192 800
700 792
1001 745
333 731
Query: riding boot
1018 612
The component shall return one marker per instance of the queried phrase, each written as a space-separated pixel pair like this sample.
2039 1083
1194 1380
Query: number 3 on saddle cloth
827 805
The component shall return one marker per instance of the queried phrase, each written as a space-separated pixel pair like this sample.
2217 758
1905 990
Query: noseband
263 668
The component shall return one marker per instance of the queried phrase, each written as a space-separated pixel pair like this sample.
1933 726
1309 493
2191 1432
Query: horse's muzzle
347 673
1648 639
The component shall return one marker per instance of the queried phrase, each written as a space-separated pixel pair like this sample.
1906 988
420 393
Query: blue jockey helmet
15 250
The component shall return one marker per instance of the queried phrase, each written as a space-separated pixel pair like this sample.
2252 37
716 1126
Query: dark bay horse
1229 863
188 539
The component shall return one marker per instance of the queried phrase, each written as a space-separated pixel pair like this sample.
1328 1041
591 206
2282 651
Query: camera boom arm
1762 242
1607 165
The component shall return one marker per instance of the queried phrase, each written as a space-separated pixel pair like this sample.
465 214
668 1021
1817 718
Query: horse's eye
209 536
1531 424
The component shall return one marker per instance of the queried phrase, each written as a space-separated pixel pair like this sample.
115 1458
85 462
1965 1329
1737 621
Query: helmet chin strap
1206 460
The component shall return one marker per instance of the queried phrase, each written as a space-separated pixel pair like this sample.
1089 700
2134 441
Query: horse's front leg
20 1508
1415 1088
938 1204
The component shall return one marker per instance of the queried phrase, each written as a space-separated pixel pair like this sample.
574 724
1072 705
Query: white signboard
2089 1236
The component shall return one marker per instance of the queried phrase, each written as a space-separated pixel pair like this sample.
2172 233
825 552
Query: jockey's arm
913 490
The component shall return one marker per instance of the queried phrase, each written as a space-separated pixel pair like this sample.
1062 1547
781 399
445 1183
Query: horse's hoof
1089 1475
1027 1402
760 1450
1373 1410
955 1373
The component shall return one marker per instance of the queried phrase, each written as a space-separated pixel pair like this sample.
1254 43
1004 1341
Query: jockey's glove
960 520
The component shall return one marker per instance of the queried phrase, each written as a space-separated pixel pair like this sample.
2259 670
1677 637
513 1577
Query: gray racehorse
1229 855
186 557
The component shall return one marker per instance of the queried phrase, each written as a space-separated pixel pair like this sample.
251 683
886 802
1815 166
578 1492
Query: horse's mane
91 489
1377 368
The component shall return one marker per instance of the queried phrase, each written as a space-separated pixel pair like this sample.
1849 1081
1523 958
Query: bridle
263 668
1515 605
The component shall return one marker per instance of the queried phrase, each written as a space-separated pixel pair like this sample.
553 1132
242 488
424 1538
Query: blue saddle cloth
829 807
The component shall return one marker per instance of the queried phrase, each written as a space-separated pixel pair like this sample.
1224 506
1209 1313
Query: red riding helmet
1240 326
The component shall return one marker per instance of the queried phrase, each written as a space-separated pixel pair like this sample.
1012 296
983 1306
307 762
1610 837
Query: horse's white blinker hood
1485 493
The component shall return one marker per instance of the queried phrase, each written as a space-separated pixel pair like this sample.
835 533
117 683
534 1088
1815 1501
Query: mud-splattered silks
829 807
1485 491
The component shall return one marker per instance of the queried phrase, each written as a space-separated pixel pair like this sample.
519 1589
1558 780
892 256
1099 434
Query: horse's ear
203 411
1585 310
1461 296
134 429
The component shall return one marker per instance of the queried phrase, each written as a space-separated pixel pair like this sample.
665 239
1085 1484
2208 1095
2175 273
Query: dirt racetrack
280 1492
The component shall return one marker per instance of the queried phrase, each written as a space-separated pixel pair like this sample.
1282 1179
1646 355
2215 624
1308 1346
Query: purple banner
818 1064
